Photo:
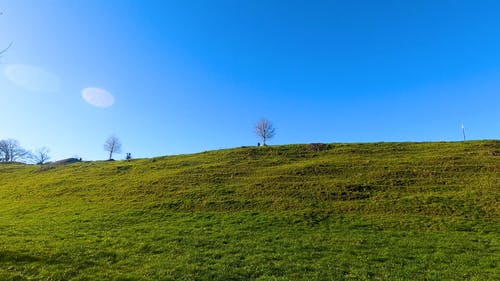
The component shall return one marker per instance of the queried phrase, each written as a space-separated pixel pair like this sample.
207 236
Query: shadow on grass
15 257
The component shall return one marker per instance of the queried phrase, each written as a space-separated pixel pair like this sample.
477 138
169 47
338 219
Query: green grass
378 211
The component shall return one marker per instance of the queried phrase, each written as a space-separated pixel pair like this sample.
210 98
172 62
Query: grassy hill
378 211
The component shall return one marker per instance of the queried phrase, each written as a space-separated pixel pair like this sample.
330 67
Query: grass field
378 211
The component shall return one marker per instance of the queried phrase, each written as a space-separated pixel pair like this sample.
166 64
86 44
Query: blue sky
171 77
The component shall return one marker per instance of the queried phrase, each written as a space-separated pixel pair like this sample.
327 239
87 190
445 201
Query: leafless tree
40 156
11 151
265 130
112 145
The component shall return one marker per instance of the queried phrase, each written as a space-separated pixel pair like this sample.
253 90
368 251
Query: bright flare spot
32 78
98 97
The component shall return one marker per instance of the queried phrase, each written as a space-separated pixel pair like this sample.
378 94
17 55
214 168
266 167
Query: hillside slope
353 211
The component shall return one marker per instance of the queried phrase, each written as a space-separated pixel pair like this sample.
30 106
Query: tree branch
5 50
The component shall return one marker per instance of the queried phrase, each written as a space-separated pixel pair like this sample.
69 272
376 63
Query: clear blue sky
170 77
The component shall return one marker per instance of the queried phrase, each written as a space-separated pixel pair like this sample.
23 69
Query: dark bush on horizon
317 146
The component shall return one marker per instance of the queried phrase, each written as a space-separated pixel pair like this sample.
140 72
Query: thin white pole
463 131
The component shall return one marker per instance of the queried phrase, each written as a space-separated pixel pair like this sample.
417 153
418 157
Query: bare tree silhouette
41 156
265 130
112 145
11 151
